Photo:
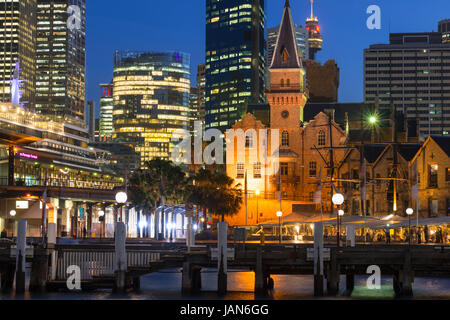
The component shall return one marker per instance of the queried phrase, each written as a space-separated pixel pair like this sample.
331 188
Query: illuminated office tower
193 106
201 83
106 127
235 59
61 58
411 73
17 43
151 100
444 29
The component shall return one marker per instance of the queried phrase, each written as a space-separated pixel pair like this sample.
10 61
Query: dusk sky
158 25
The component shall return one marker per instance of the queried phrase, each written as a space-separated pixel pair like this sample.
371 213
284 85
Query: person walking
84 232
388 235
425 231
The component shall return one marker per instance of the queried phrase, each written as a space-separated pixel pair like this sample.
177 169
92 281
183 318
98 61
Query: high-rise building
151 100
412 73
18 44
201 87
193 108
301 35
61 58
235 59
315 38
444 29
106 127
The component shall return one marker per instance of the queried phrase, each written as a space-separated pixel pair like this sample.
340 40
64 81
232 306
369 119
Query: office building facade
61 59
413 74
444 29
151 93
106 127
235 60
201 92
18 44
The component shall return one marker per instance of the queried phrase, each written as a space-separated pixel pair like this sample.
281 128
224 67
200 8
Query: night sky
180 25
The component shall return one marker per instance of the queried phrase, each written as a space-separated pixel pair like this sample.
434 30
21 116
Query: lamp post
257 192
12 213
338 200
280 215
101 214
121 198
409 212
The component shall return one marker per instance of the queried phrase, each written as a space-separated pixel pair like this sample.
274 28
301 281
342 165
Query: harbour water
166 285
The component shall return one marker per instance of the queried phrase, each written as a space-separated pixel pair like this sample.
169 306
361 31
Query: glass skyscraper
106 127
301 35
151 100
61 58
18 43
235 60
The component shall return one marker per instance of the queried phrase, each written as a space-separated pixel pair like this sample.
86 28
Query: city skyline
109 29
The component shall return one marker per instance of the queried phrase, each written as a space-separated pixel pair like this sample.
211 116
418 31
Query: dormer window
285 55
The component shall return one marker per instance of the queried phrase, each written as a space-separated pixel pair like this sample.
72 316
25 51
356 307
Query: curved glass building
151 100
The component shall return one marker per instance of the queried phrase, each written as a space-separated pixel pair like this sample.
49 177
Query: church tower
287 94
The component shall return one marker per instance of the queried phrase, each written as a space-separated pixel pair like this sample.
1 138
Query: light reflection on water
167 285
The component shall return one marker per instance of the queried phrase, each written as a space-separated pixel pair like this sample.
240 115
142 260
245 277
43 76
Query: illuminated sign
105 92
21 204
28 156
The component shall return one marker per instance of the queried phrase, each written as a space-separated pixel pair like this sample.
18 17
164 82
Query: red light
308 28
317 29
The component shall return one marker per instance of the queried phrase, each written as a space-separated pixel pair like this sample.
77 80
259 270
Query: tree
217 193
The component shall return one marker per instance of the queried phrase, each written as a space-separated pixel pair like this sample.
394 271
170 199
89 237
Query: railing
63 183
99 263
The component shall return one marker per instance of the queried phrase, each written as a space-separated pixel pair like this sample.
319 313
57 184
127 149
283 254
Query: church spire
285 54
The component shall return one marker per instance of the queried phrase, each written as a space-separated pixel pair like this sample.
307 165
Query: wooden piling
21 256
333 275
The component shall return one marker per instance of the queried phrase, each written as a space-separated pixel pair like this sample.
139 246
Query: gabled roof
373 151
444 143
408 151
286 42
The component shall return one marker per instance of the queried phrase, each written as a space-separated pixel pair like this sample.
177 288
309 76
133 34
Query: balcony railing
62 183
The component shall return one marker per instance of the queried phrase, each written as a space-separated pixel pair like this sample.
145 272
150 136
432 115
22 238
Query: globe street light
409 212
280 215
121 198
338 200
12 213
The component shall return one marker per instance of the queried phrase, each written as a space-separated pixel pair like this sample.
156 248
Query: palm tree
217 193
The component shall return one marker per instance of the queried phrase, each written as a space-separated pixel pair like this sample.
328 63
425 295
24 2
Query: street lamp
280 215
338 200
101 215
121 198
409 212
12 213
257 192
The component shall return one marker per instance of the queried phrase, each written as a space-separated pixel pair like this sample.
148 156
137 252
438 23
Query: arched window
282 99
292 100
274 100
288 82
322 139
285 139
282 82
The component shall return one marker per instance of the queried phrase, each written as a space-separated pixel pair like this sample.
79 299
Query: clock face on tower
285 114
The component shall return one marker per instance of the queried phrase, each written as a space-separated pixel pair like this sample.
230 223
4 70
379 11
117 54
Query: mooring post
39 270
350 279
21 255
318 259
186 281
333 274
120 257
406 276
51 243
222 266
260 277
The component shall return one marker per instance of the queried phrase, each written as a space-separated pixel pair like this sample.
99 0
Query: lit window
321 140
313 169
285 139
